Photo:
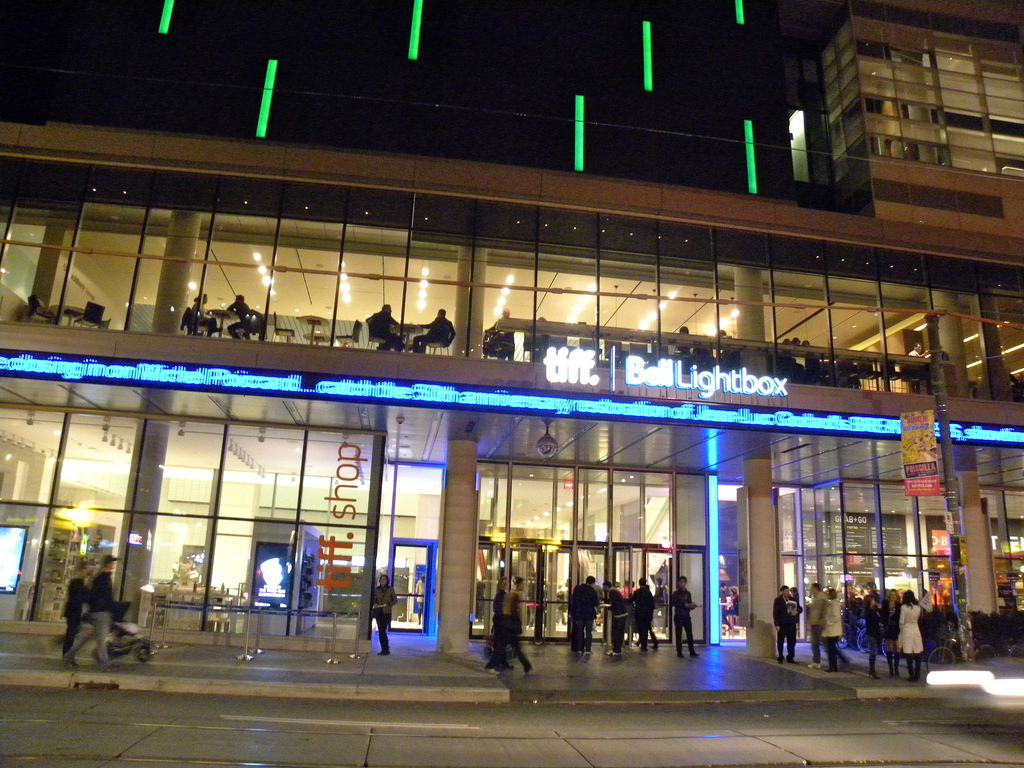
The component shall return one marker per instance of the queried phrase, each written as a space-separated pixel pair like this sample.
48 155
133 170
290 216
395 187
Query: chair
288 334
352 340
443 347
93 315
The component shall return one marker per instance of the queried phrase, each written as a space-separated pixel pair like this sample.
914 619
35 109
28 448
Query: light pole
953 518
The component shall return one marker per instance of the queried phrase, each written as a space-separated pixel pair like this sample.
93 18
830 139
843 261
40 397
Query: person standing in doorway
816 622
384 598
74 608
643 613
682 603
786 614
618 612
584 604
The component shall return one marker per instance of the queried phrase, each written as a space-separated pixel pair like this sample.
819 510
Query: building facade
670 358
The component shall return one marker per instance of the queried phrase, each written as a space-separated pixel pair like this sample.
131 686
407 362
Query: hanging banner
920 454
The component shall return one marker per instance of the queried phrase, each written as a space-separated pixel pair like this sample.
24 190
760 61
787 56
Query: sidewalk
415 672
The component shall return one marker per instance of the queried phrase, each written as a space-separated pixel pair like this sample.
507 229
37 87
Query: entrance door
653 563
545 607
692 563
412 576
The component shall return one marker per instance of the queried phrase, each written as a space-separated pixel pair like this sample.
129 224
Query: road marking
360 723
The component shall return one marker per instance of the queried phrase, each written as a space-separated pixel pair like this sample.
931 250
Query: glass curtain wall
164 254
208 522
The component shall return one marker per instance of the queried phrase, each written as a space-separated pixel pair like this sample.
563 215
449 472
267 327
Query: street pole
953 518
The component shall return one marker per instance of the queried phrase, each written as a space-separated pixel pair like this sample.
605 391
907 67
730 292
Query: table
315 335
220 315
73 314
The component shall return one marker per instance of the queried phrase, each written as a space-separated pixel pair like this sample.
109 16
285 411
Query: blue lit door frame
426 608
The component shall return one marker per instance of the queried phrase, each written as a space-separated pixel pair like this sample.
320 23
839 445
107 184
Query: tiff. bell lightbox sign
576 366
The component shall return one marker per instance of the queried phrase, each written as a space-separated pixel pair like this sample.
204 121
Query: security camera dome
546 445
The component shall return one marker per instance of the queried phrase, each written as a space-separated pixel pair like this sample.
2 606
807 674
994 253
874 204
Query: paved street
91 728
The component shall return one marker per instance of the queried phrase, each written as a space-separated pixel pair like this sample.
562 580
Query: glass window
306 291
492 501
28 445
859 523
190 455
542 503
856 334
316 202
801 320
373 267
262 468
436 267
630 310
691 510
97 463
252 197
239 246
641 508
188 231
57 567
567 301
38 254
593 505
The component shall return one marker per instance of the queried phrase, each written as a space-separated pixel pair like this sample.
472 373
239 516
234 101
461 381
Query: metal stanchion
163 629
152 622
246 656
259 627
333 659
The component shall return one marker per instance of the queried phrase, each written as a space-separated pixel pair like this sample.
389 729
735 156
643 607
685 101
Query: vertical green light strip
739 12
648 59
268 94
165 17
748 138
579 133
414 33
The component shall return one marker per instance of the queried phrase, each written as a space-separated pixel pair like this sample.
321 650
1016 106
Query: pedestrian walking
101 607
872 631
816 622
682 603
619 613
74 608
584 605
890 618
911 643
833 630
499 646
511 626
384 598
786 614
643 613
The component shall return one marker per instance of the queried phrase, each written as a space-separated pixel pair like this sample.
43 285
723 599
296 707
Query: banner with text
920 454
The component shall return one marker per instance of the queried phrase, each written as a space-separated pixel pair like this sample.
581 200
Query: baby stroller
126 637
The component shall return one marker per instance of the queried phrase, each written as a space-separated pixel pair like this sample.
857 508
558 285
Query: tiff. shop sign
576 366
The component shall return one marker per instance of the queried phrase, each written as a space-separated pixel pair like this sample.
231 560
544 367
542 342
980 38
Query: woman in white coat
910 642
833 629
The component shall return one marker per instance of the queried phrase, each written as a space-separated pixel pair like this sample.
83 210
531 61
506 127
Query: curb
128 682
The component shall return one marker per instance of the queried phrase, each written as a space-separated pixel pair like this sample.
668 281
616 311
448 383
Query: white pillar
980 569
458 544
760 539
172 293
951 336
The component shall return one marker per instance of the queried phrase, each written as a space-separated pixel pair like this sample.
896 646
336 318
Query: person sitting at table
383 328
195 320
917 351
498 343
439 331
239 330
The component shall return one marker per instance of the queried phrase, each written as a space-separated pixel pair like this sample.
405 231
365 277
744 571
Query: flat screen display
12 550
272 579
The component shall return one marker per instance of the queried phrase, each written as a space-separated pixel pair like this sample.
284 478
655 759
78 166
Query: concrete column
748 287
172 294
138 564
469 315
54 261
458 542
980 569
951 337
759 542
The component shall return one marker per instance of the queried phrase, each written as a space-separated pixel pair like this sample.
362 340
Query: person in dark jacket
439 331
382 328
872 631
239 330
74 608
583 604
618 612
101 607
682 603
889 616
499 648
384 598
643 613
786 615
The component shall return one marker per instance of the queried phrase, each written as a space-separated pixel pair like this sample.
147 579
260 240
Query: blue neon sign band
427 394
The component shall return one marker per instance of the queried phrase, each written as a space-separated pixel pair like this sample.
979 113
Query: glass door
412 563
692 563
553 593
